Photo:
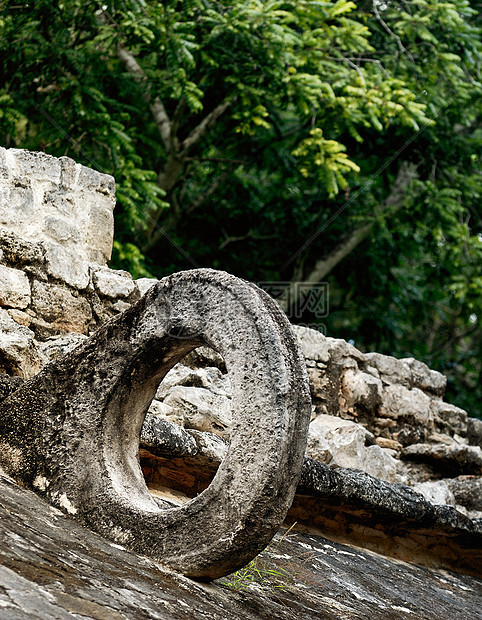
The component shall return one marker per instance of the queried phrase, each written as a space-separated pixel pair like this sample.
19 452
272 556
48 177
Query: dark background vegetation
297 141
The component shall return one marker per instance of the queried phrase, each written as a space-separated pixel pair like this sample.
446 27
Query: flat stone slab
51 567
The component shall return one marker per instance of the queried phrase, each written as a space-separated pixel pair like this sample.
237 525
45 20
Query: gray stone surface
474 432
64 205
451 459
53 568
14 288
19 354
467 491
59 310
343 443
144 284
113 284
74 428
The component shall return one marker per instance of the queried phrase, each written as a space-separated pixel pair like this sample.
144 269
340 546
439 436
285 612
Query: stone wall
56 231
371 412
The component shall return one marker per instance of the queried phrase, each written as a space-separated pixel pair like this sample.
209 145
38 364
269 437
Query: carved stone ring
72 431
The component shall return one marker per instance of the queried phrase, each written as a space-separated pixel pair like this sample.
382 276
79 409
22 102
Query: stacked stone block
56 232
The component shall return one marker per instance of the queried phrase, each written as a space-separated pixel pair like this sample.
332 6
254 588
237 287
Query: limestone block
63 264
474 432
57 305
424 378
204 356
436 492
120 305
144 284
67 206
451 459
100 230
392 371
17 204
19 355
380 463
467 491
343 443
200 409
313 344
18 252
14 288
212 447
403 404
317 347
210 378
391 444
69 173
113 284
55 346
37 165
360 388
160 409
61 230
164 439
450 419
20 317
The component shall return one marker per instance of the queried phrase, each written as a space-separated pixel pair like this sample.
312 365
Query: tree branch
209 191
157 107
386 27
174 216
200 130
250 235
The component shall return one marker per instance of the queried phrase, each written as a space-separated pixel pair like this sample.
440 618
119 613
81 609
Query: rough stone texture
449 419
467 491
200 409
392 415
144 284
27 255
113 284
56 230
346 505
452 459
349 505
55 346
59 310
474 432
19 355
52 567
437 492
14 288
342 443
74 428
8 385
65 204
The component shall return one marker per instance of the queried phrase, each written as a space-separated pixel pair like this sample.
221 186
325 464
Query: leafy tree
286 141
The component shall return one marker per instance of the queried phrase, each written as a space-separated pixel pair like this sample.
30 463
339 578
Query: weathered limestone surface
52 567
73 429
66 205
56 231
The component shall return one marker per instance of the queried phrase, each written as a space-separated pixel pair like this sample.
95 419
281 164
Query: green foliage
264 133
262 573
268 571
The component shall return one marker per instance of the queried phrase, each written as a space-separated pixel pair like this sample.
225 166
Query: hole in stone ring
186 431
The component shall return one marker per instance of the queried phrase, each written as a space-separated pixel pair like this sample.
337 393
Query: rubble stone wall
56 231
